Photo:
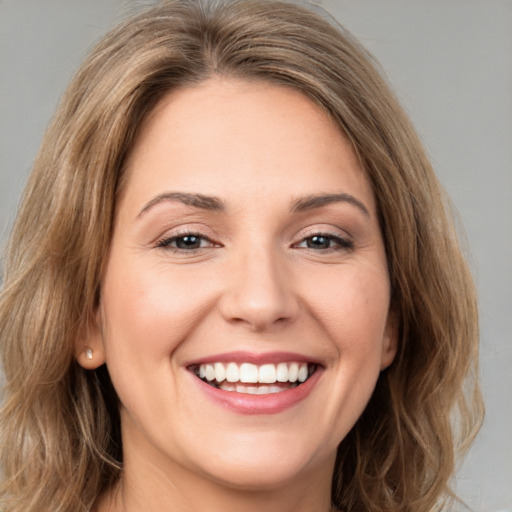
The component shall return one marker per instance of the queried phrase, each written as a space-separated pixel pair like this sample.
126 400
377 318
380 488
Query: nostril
259 315
258 292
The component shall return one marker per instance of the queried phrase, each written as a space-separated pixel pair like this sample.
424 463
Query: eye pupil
318 241
188 242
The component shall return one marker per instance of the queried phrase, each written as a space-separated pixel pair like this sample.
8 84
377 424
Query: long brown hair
61 445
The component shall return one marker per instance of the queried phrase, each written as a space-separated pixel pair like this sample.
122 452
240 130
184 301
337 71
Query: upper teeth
251 373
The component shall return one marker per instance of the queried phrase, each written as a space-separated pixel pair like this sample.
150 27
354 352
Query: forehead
234 137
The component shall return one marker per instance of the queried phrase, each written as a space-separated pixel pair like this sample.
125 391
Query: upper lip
254 358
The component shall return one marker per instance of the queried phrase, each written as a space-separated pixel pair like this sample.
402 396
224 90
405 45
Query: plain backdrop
450 62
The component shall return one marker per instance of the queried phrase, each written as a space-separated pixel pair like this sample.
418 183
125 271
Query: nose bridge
259 291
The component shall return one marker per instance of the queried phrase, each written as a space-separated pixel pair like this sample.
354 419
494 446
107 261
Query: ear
389 340
89 348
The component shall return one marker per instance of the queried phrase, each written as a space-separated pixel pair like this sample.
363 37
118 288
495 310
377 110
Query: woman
233 283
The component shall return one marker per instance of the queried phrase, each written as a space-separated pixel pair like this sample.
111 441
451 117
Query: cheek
149 310
354 312
353 306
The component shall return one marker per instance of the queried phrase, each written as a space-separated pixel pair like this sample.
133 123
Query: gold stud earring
88 353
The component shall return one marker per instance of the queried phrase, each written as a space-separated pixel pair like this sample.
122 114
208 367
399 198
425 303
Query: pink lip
272 403
250 357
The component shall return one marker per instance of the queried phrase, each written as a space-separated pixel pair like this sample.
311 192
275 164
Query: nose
259 292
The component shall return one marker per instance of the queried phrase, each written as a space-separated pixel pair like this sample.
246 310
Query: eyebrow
201 201
319 200
215 204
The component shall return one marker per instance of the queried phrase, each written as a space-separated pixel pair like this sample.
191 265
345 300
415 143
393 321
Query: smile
254 379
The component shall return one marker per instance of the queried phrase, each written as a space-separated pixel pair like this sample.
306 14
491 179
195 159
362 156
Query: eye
186 242
325 242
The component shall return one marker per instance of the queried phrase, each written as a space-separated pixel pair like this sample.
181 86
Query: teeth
227 386
249 373
293 372
282 372
303 373
232 372
210 372
267 373
220 372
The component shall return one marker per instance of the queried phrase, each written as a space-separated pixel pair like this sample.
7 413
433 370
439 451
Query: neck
125 499
154 481
147 487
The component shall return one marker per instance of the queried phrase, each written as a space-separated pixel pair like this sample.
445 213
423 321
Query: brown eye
325 242
188 242
318 242
185 242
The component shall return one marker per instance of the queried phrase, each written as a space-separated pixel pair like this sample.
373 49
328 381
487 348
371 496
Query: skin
256 282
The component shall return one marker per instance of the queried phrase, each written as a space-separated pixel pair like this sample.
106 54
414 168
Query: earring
88 353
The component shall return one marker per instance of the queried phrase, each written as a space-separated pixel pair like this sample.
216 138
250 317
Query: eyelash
165 243
340 243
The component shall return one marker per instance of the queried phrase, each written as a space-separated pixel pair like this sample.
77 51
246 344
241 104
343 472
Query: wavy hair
60 432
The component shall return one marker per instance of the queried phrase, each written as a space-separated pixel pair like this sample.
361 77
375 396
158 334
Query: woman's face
246 258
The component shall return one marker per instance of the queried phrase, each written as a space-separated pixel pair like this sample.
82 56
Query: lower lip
272 403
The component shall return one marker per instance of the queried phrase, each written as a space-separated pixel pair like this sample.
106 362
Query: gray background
450 63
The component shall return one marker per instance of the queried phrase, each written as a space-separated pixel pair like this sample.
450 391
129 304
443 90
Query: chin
257 476
265 463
